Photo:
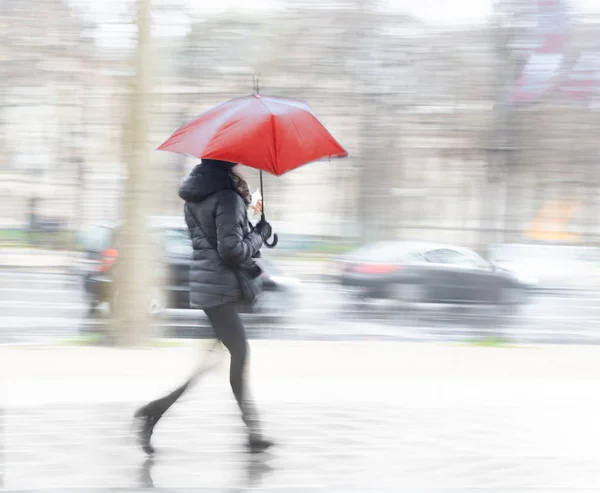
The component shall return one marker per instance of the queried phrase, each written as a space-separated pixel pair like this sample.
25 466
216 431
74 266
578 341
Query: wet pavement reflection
256 468
320 445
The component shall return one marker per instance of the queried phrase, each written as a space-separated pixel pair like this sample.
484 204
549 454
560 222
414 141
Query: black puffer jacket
223 240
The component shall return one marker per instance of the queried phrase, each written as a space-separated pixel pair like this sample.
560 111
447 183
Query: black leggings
229 329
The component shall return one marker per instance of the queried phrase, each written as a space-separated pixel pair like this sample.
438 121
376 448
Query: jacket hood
204 181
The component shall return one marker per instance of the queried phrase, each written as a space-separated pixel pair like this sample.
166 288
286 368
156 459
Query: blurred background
473 161
431 313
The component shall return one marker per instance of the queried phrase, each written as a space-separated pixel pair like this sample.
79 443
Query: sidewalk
347 415
19 258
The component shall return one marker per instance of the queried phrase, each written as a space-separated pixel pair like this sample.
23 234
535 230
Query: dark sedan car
101 245
428 273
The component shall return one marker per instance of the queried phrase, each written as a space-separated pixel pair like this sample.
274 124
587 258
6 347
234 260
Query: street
47 304
359 415
38 304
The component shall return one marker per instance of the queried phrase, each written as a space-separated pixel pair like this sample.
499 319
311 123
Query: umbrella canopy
268 133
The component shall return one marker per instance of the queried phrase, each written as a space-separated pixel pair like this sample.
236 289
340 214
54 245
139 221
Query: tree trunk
131 286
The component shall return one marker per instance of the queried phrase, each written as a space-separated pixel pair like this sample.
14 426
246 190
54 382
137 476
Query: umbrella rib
272 119
192 120
331 138
274 142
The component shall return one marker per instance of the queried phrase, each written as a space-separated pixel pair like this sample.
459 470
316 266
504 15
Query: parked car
429 273
558 268
170 235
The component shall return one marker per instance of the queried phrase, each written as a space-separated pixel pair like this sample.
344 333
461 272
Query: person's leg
229 329
151 413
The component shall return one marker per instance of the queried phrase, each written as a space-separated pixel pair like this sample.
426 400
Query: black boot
151 413
147 422
256 442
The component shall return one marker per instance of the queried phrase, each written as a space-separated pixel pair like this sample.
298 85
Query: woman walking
223 273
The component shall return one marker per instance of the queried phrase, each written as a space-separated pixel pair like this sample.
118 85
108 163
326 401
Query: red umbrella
268 133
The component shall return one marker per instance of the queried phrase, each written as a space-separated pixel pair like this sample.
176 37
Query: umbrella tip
256 86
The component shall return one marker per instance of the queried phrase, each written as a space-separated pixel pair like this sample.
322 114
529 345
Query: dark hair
241 187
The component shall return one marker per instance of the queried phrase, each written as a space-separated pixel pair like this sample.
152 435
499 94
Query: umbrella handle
273 244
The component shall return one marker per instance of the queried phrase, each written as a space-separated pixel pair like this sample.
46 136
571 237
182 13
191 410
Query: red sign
542 69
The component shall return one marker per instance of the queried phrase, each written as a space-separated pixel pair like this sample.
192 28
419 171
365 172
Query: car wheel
406 296
93 309
350 304
158 301
507 312
511 295
410 293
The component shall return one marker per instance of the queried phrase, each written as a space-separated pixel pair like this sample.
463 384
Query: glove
264 229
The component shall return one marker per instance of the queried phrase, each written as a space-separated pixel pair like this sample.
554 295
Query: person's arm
230 222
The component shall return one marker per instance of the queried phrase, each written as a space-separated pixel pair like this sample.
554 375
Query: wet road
37 305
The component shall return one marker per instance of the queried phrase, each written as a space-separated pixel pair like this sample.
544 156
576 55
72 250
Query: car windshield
450 256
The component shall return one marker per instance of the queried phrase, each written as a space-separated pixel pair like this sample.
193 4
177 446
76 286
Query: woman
216 200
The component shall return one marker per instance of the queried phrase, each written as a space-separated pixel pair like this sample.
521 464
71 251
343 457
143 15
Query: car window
414 258
95 238
477 259
448 256
176 241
